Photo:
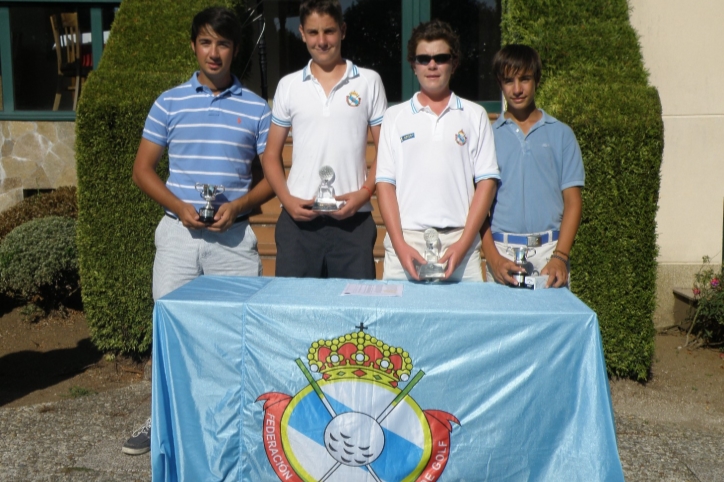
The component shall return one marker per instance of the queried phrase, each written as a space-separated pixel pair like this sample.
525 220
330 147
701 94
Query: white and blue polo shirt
211 139
329 130
534 170
435 161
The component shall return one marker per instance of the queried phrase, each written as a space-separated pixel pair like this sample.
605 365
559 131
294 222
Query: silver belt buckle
534 241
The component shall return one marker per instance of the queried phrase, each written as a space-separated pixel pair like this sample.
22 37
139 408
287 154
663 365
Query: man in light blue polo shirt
538 203
213 129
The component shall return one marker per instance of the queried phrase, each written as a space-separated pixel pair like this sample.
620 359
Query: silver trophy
520 257
209 193
325 201
433 270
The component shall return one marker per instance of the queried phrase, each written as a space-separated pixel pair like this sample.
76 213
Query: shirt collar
546 119
235 88
453 104
351 72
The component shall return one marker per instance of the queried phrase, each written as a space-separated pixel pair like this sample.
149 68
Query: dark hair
221 20
321 7
517 58
430 31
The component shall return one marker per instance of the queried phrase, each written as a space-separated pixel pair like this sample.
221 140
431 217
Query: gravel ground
80 440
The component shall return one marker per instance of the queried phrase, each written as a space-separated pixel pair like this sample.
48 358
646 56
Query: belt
239 219
530 240
445 230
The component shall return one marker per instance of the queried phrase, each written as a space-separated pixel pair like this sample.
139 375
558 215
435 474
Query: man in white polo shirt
329 106
436 166
213 128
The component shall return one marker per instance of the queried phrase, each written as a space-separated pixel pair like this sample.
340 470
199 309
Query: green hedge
148 51
595 81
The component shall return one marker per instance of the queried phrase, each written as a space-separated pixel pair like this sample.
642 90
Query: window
41 77
377 34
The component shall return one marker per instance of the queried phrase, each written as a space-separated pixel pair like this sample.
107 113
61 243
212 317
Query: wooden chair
68 52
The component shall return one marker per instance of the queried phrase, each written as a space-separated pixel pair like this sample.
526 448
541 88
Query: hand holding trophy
325 201
520 257
433 270
208 192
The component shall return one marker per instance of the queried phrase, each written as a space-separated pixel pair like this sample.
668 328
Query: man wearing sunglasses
436 165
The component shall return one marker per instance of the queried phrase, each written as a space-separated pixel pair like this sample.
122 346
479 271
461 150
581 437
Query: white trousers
468 270
183 254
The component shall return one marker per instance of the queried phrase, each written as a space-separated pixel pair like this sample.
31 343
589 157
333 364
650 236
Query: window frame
413 12
8 111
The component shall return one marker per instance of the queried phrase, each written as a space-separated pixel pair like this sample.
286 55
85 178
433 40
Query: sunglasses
439 59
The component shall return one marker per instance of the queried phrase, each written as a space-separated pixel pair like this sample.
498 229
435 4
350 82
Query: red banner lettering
440 428
274 405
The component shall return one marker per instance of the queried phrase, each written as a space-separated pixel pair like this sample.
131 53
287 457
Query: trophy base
520 278
431 271
327 206
206 215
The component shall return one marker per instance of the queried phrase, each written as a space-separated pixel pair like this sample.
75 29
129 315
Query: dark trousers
325 247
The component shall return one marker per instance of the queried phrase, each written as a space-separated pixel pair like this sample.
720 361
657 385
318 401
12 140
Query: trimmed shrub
147 53
594 80
61 202
39 261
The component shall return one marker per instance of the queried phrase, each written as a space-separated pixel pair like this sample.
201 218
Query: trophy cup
208 192
325 201
520 257
432 270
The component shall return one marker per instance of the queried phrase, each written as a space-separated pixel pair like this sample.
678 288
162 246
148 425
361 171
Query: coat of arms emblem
356 420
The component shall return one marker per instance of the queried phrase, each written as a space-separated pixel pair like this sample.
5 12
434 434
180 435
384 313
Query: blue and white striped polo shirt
210 139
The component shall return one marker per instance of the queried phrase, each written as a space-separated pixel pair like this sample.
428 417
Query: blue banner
286 379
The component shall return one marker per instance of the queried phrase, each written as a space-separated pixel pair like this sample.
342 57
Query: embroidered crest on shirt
353 99
461 138
407 137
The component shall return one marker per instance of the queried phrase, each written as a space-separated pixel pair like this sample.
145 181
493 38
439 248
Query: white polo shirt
435 161
330 130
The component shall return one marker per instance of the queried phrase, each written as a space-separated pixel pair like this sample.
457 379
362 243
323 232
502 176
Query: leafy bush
707 322
61 202
39 261
594 80
147 53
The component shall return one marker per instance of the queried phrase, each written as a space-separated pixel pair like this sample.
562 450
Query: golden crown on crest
359 356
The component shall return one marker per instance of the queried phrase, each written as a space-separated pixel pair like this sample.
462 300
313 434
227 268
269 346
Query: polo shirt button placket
213 106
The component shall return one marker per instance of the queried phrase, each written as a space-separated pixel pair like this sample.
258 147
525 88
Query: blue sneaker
140 441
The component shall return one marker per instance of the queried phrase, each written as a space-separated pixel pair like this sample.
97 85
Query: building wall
35 155
680 43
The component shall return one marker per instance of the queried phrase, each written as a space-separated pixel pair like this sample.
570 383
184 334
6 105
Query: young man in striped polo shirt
329 106
213 129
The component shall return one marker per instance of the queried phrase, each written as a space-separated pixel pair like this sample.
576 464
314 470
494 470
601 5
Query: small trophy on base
433 270
325 201
520 257
209 193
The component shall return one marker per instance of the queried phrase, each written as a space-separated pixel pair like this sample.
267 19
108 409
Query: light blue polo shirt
210 139
534 171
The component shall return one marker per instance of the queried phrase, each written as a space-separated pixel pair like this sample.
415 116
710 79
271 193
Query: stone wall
35 155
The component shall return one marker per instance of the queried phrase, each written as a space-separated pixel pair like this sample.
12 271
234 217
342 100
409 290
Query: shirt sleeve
572 173
378 103
280 113
388 151
263 129
485 161
156 127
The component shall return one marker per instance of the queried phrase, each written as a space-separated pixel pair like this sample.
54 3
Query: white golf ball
354 439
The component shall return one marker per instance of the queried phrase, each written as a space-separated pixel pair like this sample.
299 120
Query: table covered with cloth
268 379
